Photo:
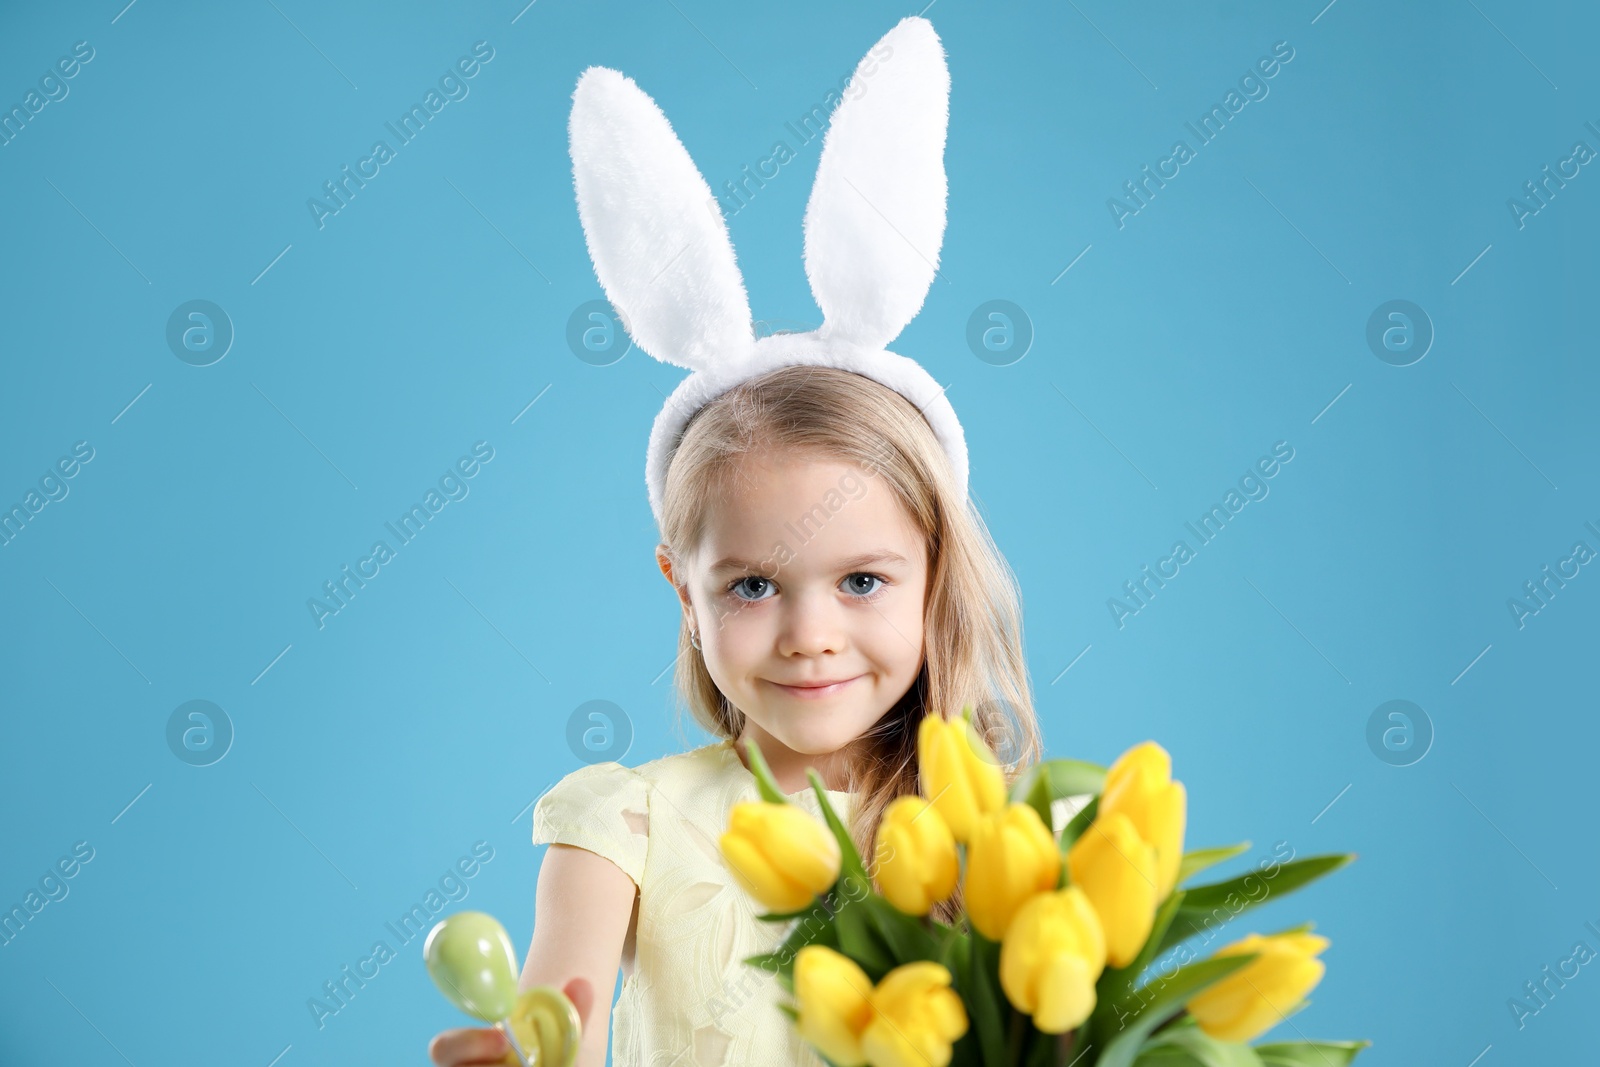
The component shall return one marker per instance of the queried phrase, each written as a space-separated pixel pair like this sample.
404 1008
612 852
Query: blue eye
748 578
850 581
866 594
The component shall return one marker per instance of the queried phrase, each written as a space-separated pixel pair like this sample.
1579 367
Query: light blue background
1227 315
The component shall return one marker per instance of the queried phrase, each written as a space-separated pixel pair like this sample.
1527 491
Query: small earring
694 639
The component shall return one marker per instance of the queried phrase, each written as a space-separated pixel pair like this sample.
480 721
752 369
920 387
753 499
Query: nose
813 624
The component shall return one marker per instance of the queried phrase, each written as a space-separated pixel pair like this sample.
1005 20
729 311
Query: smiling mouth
814 692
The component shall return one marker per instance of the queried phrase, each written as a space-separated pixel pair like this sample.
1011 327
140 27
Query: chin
817 735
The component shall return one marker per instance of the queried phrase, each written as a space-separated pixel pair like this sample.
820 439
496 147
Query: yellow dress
690 1002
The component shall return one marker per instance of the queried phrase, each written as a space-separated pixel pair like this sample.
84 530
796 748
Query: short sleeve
1063 809
604 808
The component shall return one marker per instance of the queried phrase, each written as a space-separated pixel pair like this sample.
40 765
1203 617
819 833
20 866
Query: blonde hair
972 621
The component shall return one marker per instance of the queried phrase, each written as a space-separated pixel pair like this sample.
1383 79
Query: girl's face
810 572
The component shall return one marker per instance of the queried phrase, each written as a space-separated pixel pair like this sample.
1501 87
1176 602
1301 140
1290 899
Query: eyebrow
850 563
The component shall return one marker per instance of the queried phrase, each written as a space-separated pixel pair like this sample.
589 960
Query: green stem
1014 1041
1065 1045
1080 1037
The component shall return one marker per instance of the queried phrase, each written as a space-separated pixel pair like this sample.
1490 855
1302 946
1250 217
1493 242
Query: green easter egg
470 959
546 1024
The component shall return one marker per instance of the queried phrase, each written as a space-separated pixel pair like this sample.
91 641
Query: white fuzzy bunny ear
658 241
876 218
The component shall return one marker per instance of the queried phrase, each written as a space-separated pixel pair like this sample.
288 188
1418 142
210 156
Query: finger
467 1045
581 992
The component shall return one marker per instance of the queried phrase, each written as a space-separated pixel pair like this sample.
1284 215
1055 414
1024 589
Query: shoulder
610 792
697 763
605 807
601 807
592 784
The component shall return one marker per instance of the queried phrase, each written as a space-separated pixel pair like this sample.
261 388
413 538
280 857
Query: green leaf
861 940
780 961
1198 1047
766 785
1076 826
1061 778
954 954
817 910
1232 897
1310 1053
1290 876
1162 998
979 986
1201 858
849 859
1166 1057
1033 789
905 935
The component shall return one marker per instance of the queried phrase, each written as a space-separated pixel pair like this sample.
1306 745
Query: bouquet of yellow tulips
1046 964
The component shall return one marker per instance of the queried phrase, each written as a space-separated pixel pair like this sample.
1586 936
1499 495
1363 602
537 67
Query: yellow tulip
831 993
1012 857
1139 785
916 1017
1251 1000
960 775
1052 956
910 1019
779 854
1117 870
916 861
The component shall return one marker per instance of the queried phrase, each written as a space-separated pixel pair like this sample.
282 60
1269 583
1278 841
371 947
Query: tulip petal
1116 870
1146 757
800 847
832 993
1066 994
755 875
915 1014
1011 858
1253 999
959 774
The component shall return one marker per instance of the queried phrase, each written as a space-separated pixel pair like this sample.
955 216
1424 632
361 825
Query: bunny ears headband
873 228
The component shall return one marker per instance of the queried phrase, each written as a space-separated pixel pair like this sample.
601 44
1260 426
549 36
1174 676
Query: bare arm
581 920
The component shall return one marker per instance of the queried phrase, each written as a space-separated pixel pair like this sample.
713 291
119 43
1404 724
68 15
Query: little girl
835 582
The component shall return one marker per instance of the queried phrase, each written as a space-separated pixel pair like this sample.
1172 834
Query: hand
487 1045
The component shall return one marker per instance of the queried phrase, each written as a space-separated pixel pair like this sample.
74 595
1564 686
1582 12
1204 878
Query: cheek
899 637
736 635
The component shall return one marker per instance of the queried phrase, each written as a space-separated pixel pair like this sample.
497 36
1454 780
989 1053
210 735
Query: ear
655 234
875 221
669 571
